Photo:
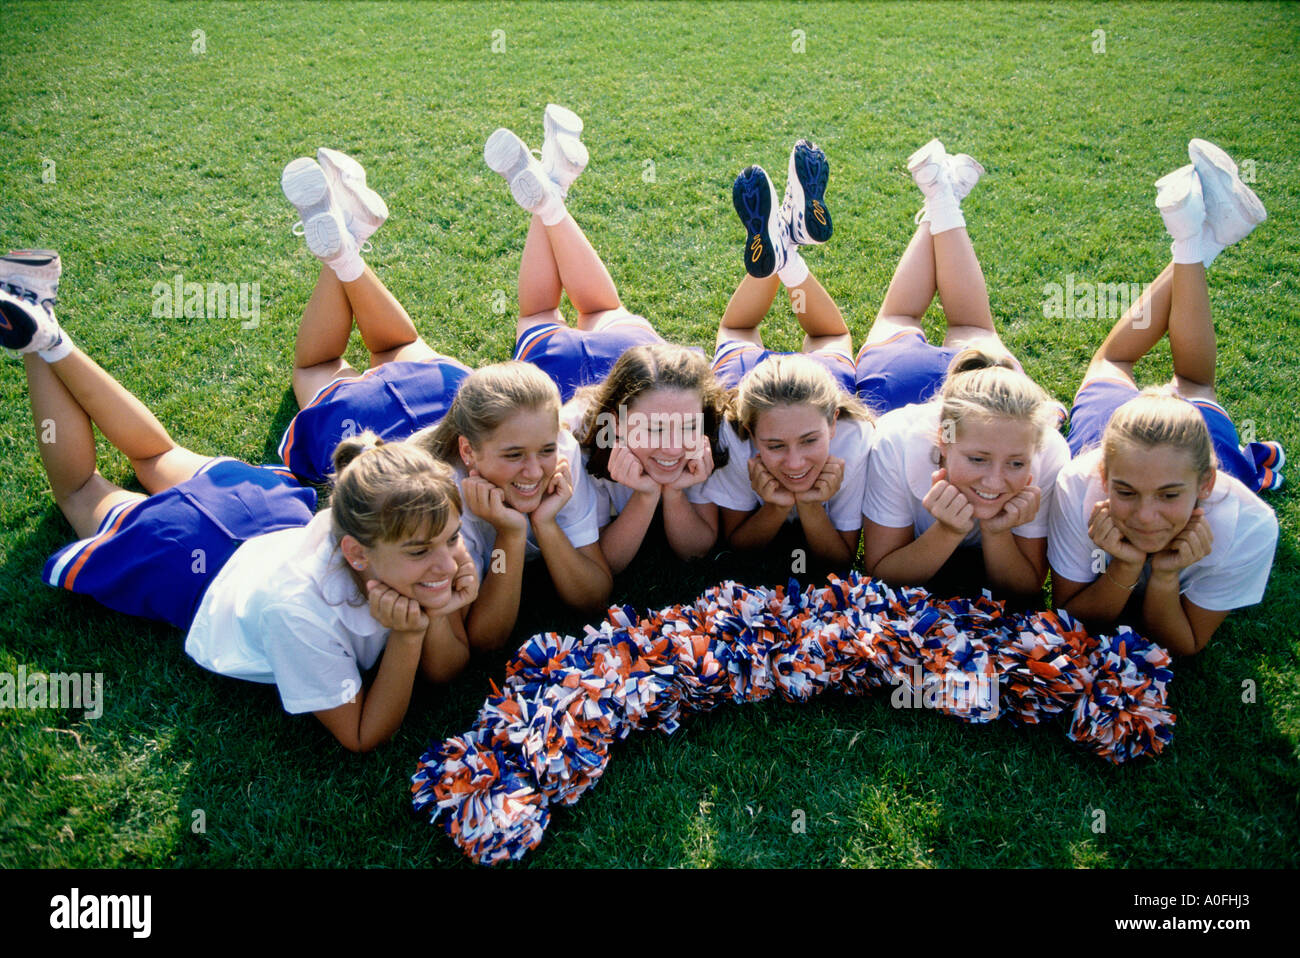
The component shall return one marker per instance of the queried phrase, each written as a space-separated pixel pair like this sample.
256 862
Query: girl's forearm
919 560
1007 567
581 583
621 539
493 613
824 540
760 527
691 529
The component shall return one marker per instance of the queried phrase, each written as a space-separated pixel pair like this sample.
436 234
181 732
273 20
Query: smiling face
518 457
663 430
794 443
1152 491
989 462
419 565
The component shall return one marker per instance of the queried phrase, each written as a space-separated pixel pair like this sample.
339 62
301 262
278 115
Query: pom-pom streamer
545 739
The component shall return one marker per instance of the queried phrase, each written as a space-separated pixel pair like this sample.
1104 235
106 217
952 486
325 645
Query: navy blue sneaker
25 325
755 202
804 207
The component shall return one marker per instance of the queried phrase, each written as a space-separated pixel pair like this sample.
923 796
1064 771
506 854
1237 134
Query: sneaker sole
348 177
561 119
964 163
528 190
753 198
932 153
506 154
808 175
322 235
35 270
1224 190
1173 193
564 127
305 186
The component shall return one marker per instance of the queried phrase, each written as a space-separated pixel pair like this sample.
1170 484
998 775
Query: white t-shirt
904 458
576 518
611 497
282 610
1233 575
729 487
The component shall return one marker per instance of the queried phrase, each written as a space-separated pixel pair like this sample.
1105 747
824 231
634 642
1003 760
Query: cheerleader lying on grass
646 412
963 465
1157 521
797 438
232 553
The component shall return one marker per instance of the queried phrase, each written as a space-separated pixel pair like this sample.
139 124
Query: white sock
347 265
1186 250
552 210
944 213
795 270
1210 248
58 350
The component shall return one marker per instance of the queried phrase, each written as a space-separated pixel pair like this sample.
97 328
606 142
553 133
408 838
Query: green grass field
139 156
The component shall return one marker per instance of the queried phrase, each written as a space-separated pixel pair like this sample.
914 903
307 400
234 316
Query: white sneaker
1178 197
506 154
26 326
963 173
963 170
564 156
324 227
1232 209
929 169
364 210
32 272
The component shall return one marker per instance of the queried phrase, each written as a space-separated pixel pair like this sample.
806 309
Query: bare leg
322 338
911 289
540 288
385 328
823 323
1141 327
1191 333
66 397
384 325
582 272
746 309
962 292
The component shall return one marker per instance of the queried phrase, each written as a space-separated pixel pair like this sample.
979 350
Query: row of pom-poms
546 738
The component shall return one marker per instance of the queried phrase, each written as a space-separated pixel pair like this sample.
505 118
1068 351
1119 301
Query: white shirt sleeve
1048 461
1240 577
1070 550
845 507
887 498
729 486
315 668
579 517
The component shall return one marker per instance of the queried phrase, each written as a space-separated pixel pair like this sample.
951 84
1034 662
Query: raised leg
384 325
1191 333
747 308
1140 328
582 272
963 292
911 289
823 323
69 395
540 289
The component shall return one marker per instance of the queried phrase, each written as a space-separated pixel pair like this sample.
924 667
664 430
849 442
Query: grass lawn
140 149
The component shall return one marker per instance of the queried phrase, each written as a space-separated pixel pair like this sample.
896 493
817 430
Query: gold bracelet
1127 588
